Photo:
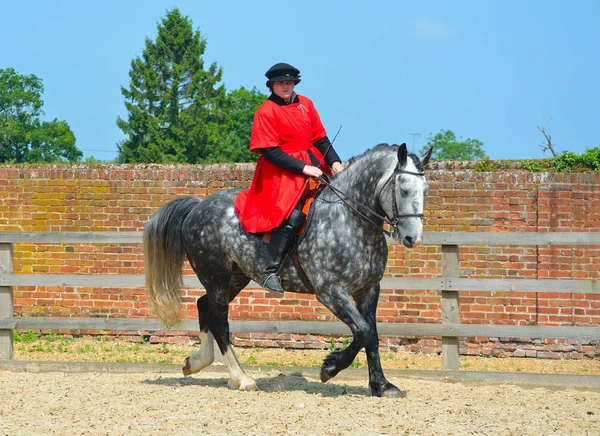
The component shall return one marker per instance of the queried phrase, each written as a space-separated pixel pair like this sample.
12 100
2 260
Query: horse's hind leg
213 310
379 385
206 355
219 326
238 379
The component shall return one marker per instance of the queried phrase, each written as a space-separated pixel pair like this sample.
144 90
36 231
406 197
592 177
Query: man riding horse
288 134
386 184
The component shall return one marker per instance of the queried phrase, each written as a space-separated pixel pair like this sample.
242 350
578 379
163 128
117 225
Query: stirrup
271 283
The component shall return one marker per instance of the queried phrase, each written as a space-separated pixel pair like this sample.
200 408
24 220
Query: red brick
121 198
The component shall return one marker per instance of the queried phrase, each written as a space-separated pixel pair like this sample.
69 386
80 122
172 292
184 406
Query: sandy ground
149 404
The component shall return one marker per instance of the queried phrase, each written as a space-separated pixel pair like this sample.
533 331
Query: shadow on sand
277 383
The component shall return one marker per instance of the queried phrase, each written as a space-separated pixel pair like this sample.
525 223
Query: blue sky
384 70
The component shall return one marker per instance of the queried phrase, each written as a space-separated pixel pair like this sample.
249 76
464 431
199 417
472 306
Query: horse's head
402 196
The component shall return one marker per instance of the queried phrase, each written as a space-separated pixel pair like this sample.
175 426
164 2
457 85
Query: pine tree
174 104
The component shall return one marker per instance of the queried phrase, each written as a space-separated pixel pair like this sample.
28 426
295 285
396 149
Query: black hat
282 73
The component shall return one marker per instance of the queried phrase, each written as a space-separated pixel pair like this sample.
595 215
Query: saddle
311 192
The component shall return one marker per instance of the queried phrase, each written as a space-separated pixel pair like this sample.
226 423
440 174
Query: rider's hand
337 167
312 171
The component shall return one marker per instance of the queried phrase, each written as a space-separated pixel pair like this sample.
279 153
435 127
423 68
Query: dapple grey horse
343 254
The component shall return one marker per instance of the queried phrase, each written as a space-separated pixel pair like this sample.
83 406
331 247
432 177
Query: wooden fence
450 285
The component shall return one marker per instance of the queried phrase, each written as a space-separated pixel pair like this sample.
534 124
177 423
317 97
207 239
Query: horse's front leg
338 301
380 387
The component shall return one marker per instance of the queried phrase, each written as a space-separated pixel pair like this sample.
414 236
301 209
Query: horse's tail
164 254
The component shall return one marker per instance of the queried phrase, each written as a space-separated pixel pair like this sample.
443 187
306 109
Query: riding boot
282 241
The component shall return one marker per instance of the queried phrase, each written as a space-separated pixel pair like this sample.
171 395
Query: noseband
396 216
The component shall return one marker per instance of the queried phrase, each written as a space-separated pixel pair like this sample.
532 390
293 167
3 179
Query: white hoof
196 362
245 384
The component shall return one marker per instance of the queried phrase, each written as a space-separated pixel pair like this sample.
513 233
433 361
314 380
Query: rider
288 134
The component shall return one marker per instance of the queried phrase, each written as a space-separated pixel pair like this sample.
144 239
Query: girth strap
301 273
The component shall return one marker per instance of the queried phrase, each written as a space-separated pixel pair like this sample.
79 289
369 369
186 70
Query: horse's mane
382 149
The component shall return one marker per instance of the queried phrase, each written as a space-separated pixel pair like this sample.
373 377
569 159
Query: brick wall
121 198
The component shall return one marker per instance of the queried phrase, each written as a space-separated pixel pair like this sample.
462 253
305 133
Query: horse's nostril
409 240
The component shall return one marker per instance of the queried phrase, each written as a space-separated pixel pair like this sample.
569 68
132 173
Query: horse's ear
425 158
402 155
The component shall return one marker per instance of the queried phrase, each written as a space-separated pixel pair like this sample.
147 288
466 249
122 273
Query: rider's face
284 89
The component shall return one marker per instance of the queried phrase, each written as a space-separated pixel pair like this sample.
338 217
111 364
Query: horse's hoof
388 391
187 369
246 384
250 386
325 375
197 362
328 369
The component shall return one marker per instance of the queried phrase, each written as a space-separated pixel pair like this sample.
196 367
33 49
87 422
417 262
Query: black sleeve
325 146
283 160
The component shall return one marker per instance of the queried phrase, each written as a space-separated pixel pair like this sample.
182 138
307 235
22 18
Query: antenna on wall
414 135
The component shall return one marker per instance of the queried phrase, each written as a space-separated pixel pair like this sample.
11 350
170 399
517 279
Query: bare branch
547 145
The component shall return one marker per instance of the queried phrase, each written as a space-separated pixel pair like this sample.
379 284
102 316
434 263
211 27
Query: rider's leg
282 241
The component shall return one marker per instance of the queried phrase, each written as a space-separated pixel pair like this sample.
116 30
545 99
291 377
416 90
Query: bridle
393 221
395 215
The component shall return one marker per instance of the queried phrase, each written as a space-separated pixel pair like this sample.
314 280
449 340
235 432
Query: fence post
450 308
6 301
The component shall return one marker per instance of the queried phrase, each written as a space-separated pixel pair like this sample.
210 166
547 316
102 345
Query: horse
343 253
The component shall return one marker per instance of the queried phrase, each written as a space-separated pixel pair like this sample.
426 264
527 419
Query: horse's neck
361 183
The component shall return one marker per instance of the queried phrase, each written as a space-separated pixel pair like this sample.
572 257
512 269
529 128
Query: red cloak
274 192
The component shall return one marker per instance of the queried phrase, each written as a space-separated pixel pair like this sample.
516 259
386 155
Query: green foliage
91 160
571 162
178 112
591 158
566 161
170 98
356 363
447 147
486 165
238 111
86 349
51 337
24 138
26 337
537 165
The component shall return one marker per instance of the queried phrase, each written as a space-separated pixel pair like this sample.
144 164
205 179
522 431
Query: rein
396 216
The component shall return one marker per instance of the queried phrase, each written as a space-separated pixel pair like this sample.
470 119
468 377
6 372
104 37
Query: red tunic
274 192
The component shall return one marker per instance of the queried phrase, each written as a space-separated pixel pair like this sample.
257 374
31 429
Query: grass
31 346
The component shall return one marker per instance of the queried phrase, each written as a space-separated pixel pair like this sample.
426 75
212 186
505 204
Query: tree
24 138
447 147
235 130
175 106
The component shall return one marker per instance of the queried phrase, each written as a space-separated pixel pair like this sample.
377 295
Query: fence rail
449 284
